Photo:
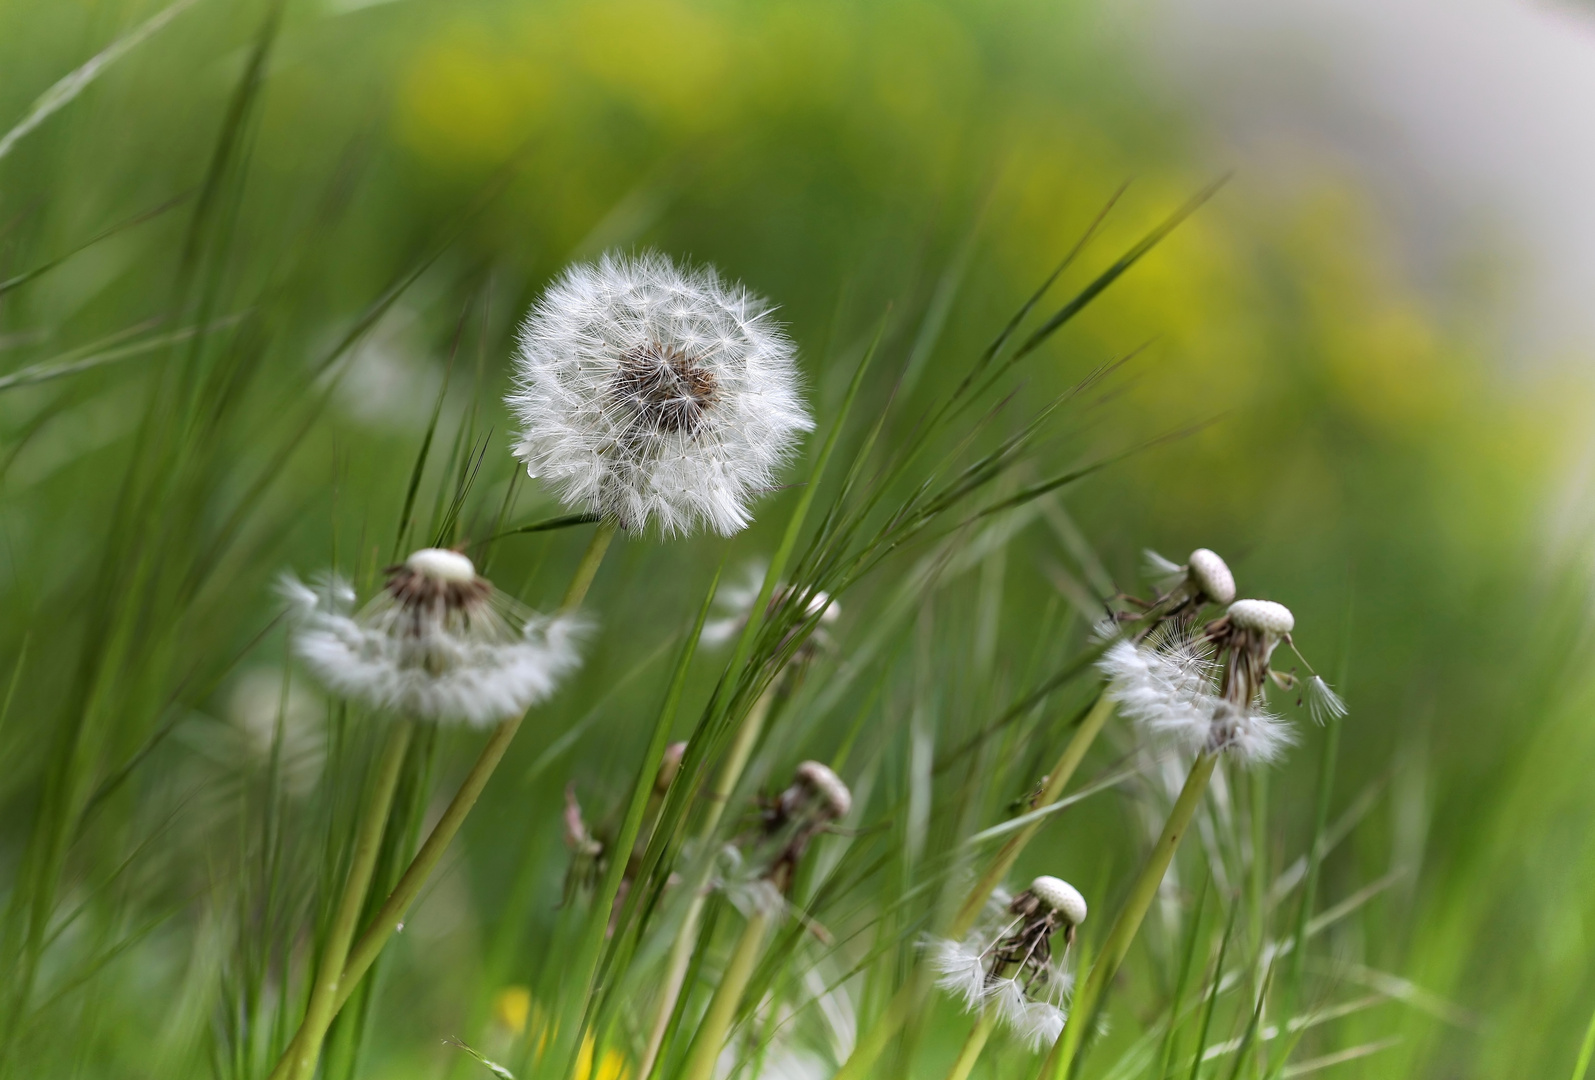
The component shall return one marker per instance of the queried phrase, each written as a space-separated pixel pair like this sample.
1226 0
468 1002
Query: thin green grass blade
1585 1052
1212 995
1167 1052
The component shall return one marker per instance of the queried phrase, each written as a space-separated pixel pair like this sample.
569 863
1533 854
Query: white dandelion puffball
1061 897
438 643
656 395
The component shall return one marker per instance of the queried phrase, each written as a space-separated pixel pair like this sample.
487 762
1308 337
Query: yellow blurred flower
514 1009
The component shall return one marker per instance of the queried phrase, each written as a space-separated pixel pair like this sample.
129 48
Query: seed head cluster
657 395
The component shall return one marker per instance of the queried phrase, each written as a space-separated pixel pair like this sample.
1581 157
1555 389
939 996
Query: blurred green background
1362 452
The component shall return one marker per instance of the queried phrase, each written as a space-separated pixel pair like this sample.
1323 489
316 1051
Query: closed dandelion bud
656 395
437 643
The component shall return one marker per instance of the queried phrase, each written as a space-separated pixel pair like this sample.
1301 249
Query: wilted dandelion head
437 643
1203 690
657 395
814 800
1006 963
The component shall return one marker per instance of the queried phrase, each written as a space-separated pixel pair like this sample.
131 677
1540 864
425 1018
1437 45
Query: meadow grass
247 329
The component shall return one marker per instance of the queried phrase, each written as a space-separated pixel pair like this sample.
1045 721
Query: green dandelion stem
1128 923
300 1061
727 996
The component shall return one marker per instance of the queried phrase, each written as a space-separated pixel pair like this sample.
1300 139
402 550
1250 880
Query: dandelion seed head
1211 575
669 766
1263 617
655 394
1061 897
437 643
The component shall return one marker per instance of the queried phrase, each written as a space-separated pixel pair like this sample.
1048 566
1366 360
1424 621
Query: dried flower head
657 395
816 799
1204 578
437 643
1205 691
1006 962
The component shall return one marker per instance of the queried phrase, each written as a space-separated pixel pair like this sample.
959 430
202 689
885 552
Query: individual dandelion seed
437 643
1006 963
657 395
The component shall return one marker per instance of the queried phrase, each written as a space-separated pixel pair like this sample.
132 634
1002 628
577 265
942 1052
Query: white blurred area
1471 124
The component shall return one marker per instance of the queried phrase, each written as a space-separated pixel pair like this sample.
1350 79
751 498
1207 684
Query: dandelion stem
681 950
391 915
972 1048
1128 923
727 996
1062 772
905 1003
587 569
299 1063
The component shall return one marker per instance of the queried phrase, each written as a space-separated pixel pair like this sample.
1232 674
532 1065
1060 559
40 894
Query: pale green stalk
727 996
905 1003
1128 922
1585 1052
973 1045
391 915
301 1060
687 935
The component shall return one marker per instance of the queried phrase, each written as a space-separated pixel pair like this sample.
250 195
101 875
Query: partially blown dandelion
1205 691
1170 686
437 643
655 395
1006 963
